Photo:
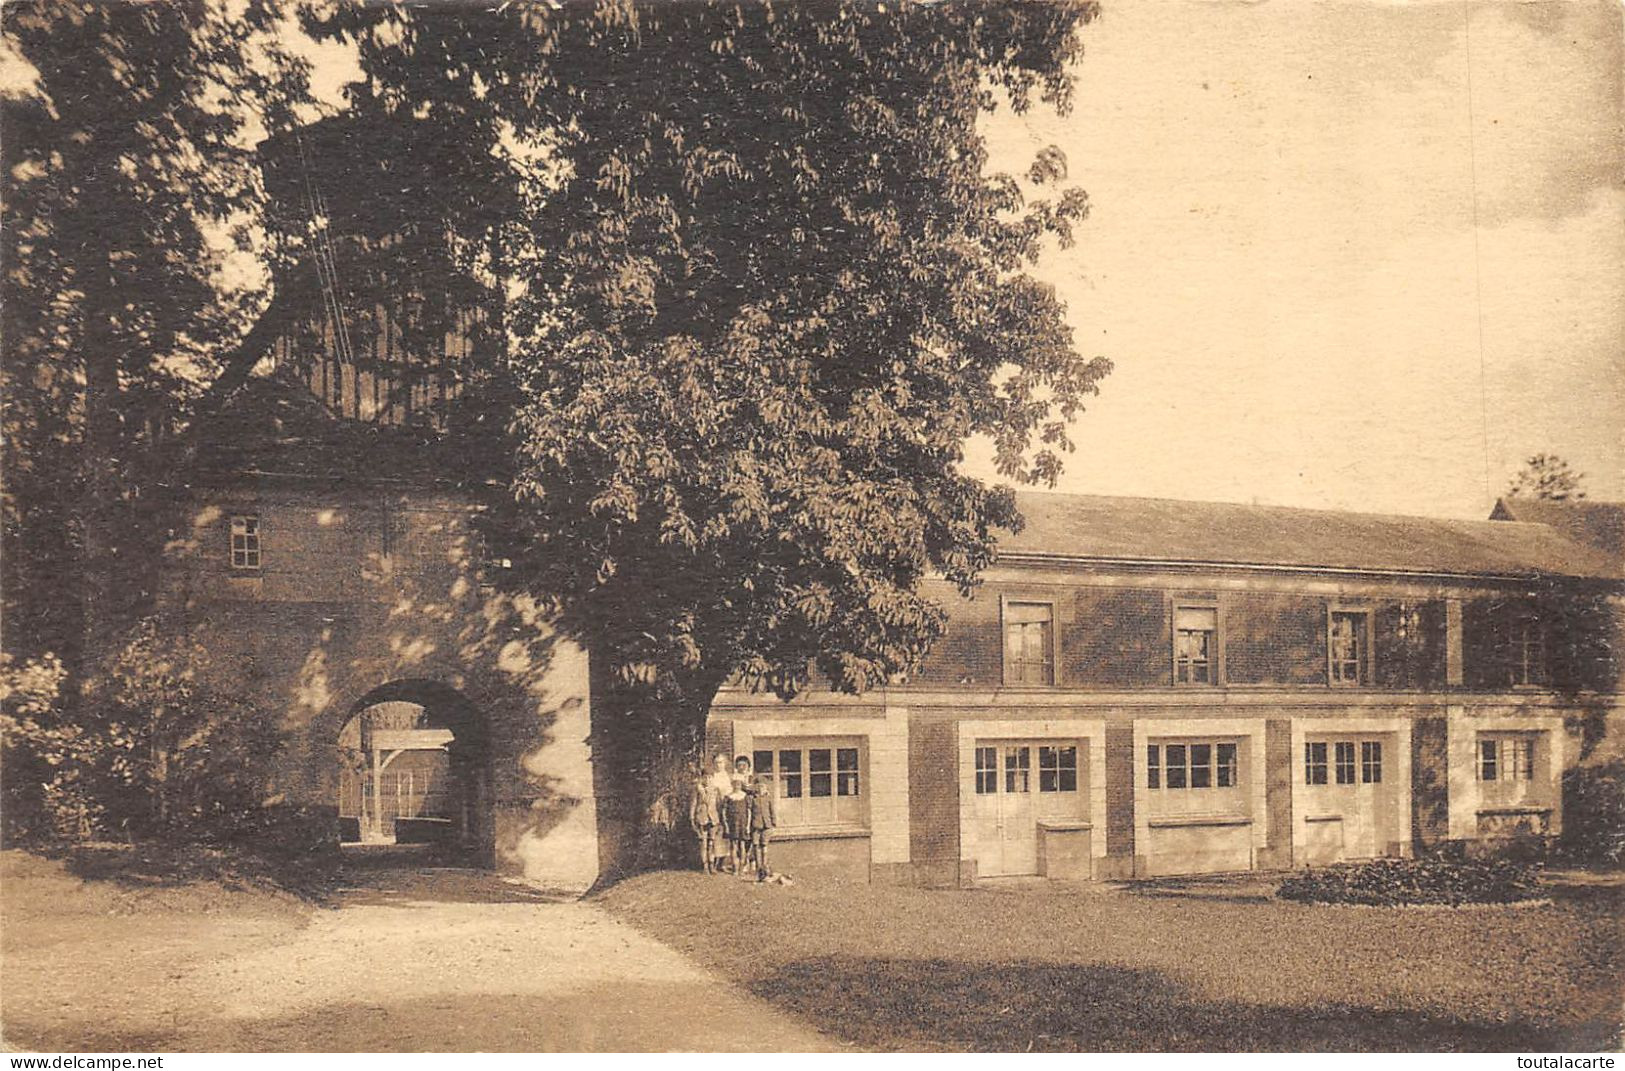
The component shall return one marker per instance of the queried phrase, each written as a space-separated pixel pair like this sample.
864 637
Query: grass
1174 965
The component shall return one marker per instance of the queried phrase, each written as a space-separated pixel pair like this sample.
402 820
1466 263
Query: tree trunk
650 746
100 486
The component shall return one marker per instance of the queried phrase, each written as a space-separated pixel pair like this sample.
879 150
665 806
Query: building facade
1145 688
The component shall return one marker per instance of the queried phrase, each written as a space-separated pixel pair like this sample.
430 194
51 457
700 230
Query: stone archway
414 770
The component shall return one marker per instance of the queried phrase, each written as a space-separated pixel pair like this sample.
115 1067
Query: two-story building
1145 687
1139 687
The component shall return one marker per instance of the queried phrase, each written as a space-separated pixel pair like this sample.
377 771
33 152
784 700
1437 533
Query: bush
1594 814
148 747
1394 882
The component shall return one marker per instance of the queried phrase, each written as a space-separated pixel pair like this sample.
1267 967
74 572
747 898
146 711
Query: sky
1344 255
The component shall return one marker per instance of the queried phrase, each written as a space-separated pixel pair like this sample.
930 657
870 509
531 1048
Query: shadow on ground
1022 1006
375 885
1224 888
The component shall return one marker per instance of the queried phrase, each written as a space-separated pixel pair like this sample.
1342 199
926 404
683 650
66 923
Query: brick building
1139 687
1148 687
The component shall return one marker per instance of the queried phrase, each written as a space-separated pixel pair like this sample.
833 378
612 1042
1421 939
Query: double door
1019 783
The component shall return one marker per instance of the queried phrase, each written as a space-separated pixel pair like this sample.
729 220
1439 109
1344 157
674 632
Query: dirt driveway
447 960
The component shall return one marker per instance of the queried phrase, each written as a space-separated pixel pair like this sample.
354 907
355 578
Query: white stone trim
1092 730
1301 729
1462 727
886 742
1252 729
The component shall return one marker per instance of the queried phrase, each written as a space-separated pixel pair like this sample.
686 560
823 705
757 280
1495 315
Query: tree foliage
128 181
155 749
760 289
766 290
1547 476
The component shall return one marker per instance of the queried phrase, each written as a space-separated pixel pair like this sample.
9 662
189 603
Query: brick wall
1430 790
359 594
1120 790
933 792
1118 637
1278 767
1274 638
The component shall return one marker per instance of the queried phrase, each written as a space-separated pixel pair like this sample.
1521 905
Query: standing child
722 785
737 816
760 791
705 818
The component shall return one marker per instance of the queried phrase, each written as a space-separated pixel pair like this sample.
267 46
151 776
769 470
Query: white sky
1282 259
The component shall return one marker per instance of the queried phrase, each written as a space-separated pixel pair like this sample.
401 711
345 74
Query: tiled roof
1600 525
1165 530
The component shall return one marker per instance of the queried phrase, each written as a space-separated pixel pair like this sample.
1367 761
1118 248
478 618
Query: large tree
1549 477
764 290
128 181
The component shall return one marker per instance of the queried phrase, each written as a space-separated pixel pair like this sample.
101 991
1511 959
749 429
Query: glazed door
1349 796
1005 836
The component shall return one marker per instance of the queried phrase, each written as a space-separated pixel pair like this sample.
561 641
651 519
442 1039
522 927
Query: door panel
1009 801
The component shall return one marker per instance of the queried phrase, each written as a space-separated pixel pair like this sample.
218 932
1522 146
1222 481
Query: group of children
732 815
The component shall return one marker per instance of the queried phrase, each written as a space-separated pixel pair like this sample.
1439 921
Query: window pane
1198 618
1017 764
790 775
1153 766
1347 646
1227 765
1021 612
1487 765
846 766
762 762
1314 763
818 779
1345 762
1201 766
987 770
1048 780
1371 762
1176 765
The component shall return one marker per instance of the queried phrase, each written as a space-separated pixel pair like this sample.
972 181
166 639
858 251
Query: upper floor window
1528 652
1196 645
1348 644
1029 643
245 541
815 783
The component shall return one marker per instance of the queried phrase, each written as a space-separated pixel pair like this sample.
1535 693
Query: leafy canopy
1547 476
128 180
763 291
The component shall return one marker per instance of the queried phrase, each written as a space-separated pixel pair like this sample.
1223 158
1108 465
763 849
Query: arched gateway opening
413 772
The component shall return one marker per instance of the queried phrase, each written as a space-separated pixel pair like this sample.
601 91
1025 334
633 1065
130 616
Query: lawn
1213 964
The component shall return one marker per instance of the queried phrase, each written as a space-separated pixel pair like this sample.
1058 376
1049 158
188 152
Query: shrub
148 747
1393 882
1594 814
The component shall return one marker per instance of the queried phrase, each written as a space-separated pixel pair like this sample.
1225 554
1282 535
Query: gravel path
448 961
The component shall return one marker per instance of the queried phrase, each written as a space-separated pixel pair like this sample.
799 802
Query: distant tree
762 295
127 179
1547 476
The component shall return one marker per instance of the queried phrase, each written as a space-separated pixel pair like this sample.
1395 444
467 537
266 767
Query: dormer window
245 541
